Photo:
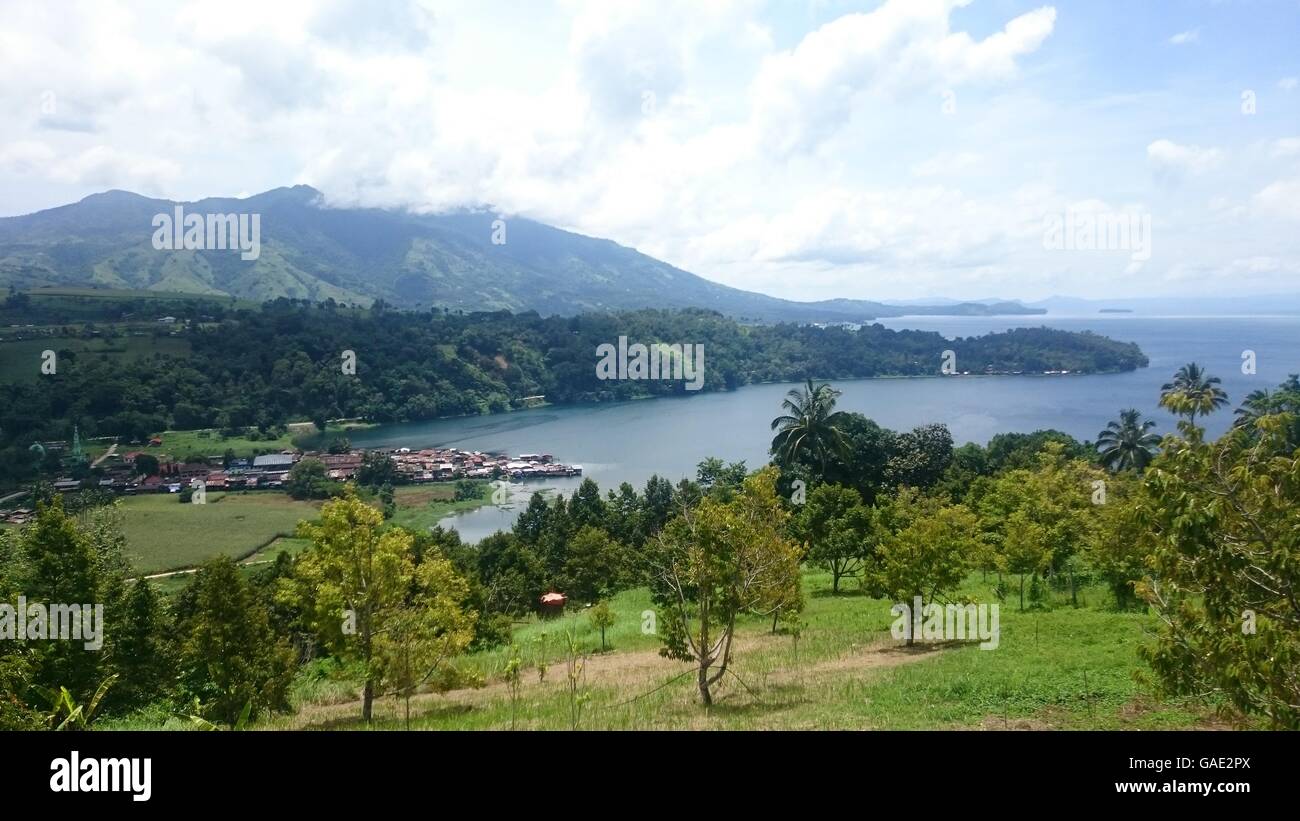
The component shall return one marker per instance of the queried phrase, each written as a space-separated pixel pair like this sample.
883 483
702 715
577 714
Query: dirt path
635 672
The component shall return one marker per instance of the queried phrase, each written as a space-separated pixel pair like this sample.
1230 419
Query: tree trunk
705 697
368 701
1022 592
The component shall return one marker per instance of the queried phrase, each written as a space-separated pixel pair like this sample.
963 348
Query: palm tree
1257 403
1126 443
809 427
1192 392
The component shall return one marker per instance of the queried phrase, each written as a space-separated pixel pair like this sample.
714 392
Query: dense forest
286 361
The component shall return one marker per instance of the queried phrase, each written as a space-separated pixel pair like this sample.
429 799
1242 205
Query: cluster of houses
270 471
443 464
20 516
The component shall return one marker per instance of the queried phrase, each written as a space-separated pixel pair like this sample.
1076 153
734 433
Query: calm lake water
630 441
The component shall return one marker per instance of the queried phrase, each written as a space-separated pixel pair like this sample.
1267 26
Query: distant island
1115 311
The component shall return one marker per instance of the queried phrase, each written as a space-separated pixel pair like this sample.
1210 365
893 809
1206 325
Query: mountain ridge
463 260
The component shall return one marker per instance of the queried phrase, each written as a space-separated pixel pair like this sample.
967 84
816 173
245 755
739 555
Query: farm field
173 583
20 360
1064 667
163 534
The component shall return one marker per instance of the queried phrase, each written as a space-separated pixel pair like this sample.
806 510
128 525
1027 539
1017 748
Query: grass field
1066 667
420 507
20 360
174 583
163 534
185 445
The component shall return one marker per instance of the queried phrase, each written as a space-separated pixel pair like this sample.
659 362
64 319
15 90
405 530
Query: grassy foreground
1064 667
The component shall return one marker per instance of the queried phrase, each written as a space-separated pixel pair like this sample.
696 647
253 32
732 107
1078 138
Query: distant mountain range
1175 305
308 251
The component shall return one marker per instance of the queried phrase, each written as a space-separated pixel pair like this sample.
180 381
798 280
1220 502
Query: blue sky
903 149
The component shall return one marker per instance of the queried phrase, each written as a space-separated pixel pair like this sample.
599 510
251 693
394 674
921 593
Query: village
120 473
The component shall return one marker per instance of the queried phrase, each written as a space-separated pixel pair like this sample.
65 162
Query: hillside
408 260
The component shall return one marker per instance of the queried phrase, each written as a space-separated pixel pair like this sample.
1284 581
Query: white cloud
806 161
1286 147
1183 38
1170 158
802 95
1288 83
1280 199
947 164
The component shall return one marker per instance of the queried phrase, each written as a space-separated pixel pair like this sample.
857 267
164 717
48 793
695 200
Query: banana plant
201 723
66 714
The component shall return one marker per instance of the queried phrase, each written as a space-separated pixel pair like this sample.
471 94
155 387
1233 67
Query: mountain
309 251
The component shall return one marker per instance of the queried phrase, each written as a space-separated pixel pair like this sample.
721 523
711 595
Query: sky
903 149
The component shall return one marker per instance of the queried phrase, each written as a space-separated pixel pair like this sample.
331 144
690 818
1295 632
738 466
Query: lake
630 441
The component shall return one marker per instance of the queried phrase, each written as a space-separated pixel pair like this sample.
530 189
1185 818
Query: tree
1115 549
352 581
714 474
230 658
60 564
602 618
432 628
1220 527
928 552
468 490
1126 444
511 572
1026 549
837 531
593 566
809 426
714 562
1037 520
919 458
586 508
307 480
1192 393
142 657
863 463
377 469
146 464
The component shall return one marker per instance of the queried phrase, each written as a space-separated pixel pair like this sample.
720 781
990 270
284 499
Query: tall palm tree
1258 403
1193 392
1126 443
810 426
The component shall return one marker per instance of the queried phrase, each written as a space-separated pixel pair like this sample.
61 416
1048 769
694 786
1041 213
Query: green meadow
1058 667
164 534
